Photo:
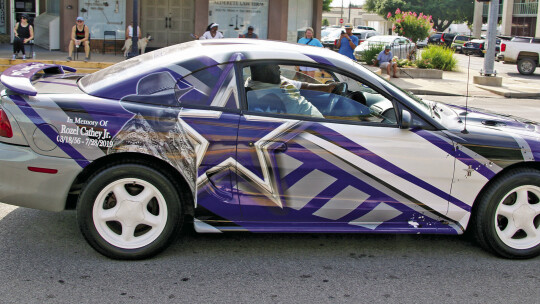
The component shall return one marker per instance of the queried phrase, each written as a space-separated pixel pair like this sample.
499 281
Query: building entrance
168 21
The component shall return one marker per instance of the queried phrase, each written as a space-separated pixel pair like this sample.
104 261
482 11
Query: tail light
481 46
335 42
503 47
5 126
442 38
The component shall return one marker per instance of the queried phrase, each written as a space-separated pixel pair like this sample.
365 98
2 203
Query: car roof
358 31
182 59
383 38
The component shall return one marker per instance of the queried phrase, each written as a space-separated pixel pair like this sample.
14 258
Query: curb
509 94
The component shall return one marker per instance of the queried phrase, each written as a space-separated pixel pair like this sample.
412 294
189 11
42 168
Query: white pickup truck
524 51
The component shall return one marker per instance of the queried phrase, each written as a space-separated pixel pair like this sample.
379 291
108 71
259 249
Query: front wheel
526 66
507 220
129 211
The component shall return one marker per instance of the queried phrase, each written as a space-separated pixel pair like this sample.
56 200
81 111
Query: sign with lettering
234 17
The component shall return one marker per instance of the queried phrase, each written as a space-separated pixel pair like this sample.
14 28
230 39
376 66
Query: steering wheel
340 88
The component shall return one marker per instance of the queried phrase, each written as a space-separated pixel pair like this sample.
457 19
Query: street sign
341 20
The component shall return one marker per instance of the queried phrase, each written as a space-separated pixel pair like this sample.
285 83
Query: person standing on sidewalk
211 33
80 34
24 32
347 42
308 39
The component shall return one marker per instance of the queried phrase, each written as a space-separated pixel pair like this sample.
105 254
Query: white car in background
401 47
329 40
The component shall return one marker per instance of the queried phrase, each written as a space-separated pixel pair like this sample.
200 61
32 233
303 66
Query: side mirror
406 120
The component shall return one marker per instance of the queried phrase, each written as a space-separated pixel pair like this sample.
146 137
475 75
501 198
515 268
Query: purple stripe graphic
320 59
459 154
340 140
49 131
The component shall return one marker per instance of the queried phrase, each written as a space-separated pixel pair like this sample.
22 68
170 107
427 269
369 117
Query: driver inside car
268 76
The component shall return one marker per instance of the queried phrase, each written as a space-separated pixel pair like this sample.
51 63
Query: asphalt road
45 260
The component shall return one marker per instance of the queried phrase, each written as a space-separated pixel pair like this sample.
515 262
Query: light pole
489 59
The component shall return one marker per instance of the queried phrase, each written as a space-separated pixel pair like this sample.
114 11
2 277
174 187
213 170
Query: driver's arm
318 87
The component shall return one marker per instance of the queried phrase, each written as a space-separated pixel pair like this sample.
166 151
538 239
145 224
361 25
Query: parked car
364 34
201 131
401 47
523 52
435 38
447 39
459 41
474 47
329 41
422 43
362 27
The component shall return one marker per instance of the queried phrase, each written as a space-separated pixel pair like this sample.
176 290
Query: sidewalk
455 84
6 51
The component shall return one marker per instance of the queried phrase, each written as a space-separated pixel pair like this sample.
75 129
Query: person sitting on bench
24 33
80 34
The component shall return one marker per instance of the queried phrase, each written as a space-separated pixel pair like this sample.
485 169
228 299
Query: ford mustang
260 136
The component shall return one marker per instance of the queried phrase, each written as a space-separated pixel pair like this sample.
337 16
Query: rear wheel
526 66
507 220
129 211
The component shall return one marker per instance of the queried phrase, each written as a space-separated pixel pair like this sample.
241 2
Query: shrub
424 64
371 53
441 58
405 63
410 25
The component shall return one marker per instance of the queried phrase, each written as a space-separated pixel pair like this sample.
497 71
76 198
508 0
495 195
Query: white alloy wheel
517 217
130 213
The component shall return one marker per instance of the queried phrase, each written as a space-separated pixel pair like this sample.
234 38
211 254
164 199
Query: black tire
148 229
491 219
526 66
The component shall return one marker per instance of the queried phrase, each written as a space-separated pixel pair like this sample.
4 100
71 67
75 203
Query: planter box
419 73
412 72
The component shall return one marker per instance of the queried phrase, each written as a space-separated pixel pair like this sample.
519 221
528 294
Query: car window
213 86
289 90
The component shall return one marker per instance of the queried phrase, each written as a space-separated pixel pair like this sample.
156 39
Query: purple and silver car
242 135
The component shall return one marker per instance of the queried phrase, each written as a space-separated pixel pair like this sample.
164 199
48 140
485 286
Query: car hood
486 128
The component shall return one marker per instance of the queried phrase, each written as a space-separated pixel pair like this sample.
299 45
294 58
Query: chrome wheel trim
526 66
517 218
130 212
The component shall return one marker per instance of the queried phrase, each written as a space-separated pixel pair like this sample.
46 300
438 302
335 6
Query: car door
349 168
210 115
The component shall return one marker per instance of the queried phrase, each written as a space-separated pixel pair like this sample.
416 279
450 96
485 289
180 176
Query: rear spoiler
17 77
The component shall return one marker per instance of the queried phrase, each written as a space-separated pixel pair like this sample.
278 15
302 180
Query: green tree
443 12
326 5
411 25
325 22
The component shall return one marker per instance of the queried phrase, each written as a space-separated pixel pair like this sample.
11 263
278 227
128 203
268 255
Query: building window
300 17
103 16
234 17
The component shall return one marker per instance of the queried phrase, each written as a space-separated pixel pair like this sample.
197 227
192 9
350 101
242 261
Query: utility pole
349 20
342 9
488 76
489 58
